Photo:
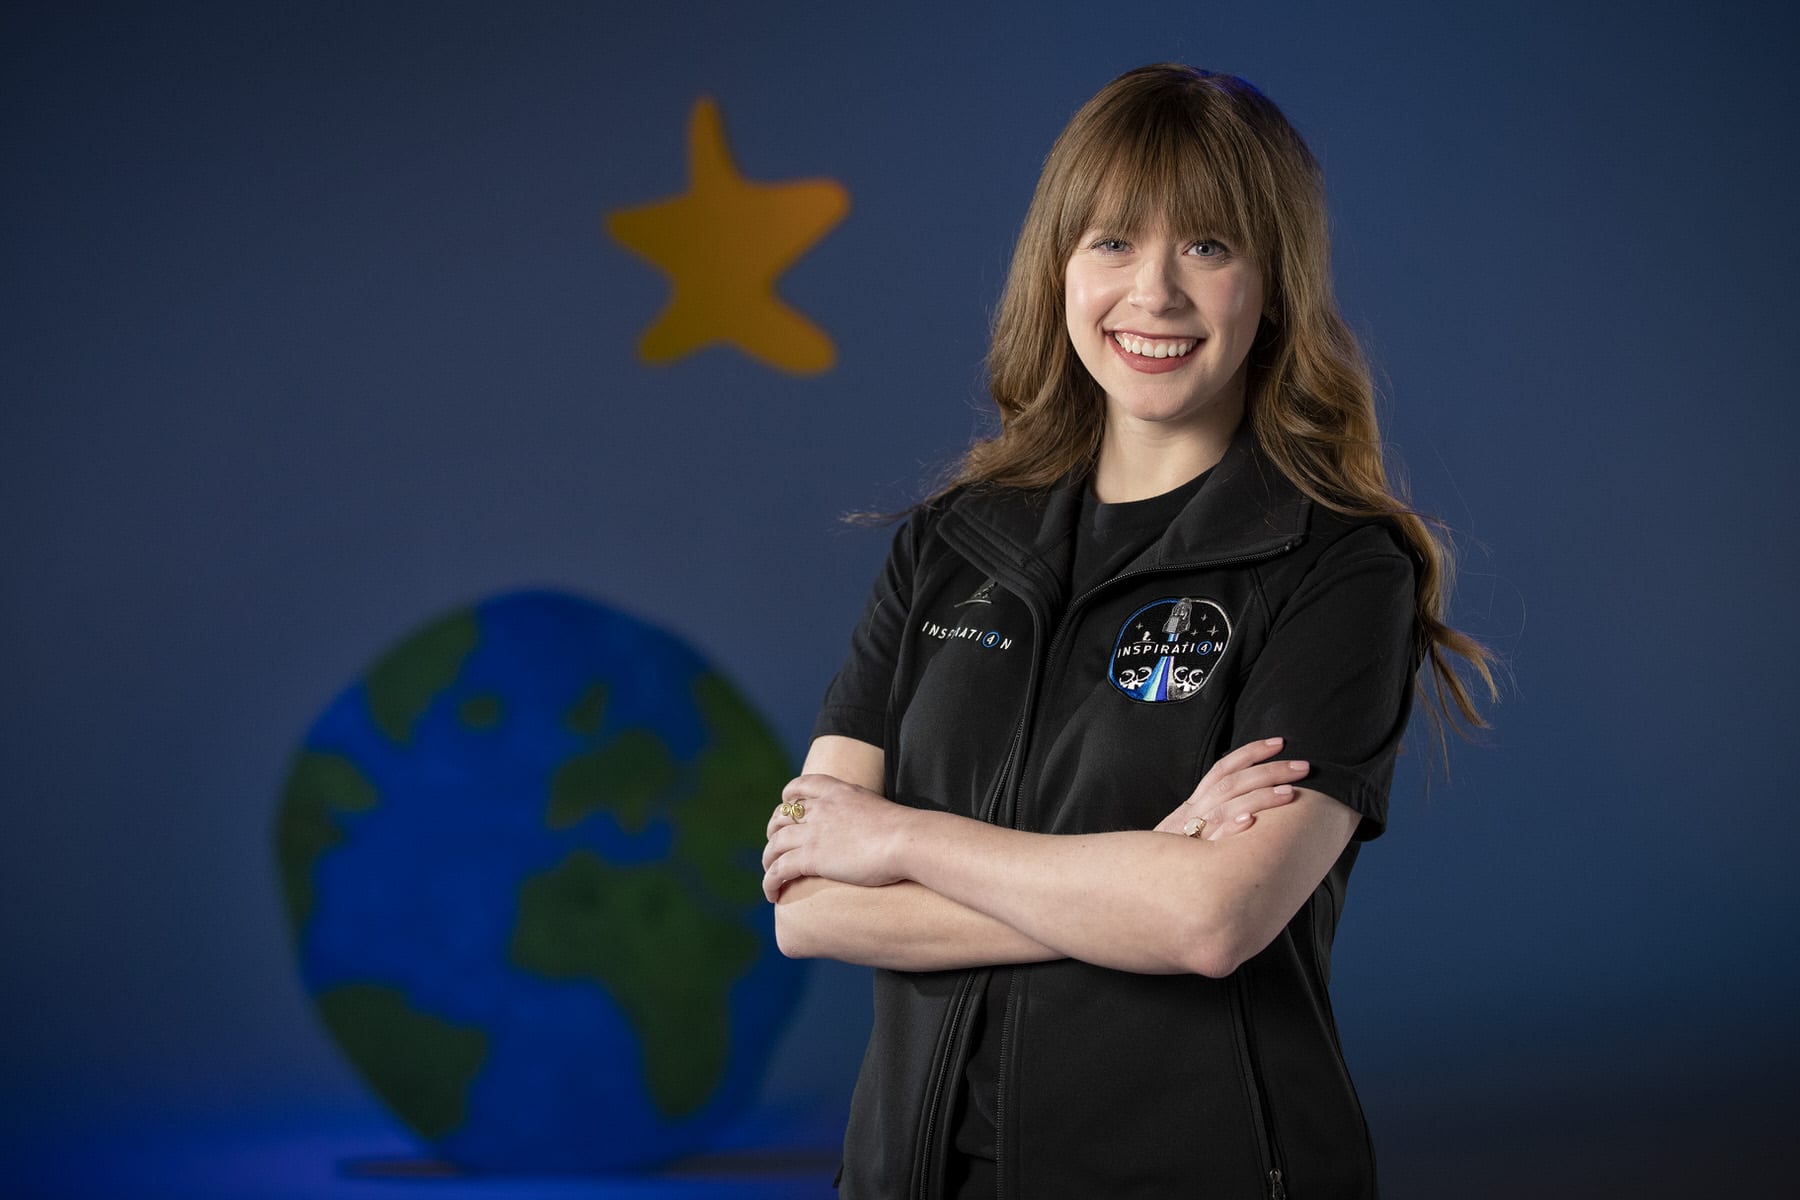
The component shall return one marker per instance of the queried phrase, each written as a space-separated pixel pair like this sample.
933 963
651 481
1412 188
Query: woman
1183 540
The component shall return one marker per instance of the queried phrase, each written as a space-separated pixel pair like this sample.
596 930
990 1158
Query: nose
1154 288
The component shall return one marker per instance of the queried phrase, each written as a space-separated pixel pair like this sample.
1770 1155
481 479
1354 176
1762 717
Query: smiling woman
1164 324
1102 932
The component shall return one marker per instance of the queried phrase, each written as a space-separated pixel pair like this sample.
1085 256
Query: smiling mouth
1145 347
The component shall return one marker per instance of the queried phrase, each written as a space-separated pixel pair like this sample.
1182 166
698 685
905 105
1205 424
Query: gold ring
1194 827
794 808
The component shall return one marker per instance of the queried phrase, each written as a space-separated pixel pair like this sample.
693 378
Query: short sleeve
856 703
1335 678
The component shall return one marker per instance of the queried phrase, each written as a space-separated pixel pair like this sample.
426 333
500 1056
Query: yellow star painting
723 243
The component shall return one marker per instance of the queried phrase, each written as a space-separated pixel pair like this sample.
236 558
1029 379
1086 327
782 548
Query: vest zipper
1003 1060
925 1172
1276 1189
925 1169
1248 1063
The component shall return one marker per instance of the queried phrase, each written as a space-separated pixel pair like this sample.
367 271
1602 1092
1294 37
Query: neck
1140 459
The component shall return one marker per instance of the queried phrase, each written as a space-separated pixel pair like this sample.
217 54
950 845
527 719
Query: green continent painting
520 858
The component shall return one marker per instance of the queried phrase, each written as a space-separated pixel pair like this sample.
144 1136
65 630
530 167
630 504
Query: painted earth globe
520 858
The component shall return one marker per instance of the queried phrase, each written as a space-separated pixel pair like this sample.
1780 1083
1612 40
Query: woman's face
1164 325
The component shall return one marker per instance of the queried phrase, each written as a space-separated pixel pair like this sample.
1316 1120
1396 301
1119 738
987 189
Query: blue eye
1111 243
1208 248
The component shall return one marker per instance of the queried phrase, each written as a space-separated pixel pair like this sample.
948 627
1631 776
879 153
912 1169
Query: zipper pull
1277 1189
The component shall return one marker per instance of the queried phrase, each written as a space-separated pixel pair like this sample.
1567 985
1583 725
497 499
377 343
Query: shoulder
1329 549
1362 568
1330 538
916 528
915 537
910 527
1340 535
1011 515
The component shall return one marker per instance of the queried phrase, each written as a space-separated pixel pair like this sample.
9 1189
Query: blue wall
312 331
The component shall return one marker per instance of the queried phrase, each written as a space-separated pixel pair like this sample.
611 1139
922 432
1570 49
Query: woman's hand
1240 785
834 829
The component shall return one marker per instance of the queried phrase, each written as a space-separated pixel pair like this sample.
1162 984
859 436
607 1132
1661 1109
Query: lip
1144 364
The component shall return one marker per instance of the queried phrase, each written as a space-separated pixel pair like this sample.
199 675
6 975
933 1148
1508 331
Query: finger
1225 799
1247 755
780 843
791 810
775 876
1241 813
1215 791
1250 779
805 787
781 820
783 869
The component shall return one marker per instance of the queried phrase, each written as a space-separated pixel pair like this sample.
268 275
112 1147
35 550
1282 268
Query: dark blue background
312 332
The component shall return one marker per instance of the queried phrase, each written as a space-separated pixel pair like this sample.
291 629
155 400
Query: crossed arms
865 880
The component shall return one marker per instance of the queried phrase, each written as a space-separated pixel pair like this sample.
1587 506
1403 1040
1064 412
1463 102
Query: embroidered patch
1168 649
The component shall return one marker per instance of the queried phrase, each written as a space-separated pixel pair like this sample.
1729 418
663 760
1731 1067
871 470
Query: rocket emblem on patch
1168 649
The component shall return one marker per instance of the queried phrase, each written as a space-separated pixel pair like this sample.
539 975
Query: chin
1173 413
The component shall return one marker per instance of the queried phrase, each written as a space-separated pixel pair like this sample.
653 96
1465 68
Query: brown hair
1216 158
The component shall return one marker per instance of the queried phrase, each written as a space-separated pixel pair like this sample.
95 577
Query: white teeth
1150 348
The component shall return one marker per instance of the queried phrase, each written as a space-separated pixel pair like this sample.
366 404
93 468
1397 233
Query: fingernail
1296 766
1271 741
1281 789
1242 819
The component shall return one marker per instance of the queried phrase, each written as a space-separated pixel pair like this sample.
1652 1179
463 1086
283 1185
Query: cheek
1075 304
1079 332
1082 312
1087 297
1240 304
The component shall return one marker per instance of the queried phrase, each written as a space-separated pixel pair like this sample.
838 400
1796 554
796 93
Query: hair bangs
1167 166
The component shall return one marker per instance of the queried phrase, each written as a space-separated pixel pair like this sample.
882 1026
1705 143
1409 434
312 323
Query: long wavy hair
1211 156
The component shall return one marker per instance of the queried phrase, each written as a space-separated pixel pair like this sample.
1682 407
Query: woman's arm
906 925
901 925
1147 902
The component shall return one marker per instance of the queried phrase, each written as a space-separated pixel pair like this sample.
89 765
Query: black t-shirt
1107 536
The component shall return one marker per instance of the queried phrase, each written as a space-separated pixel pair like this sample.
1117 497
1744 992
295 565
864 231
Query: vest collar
1246 509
